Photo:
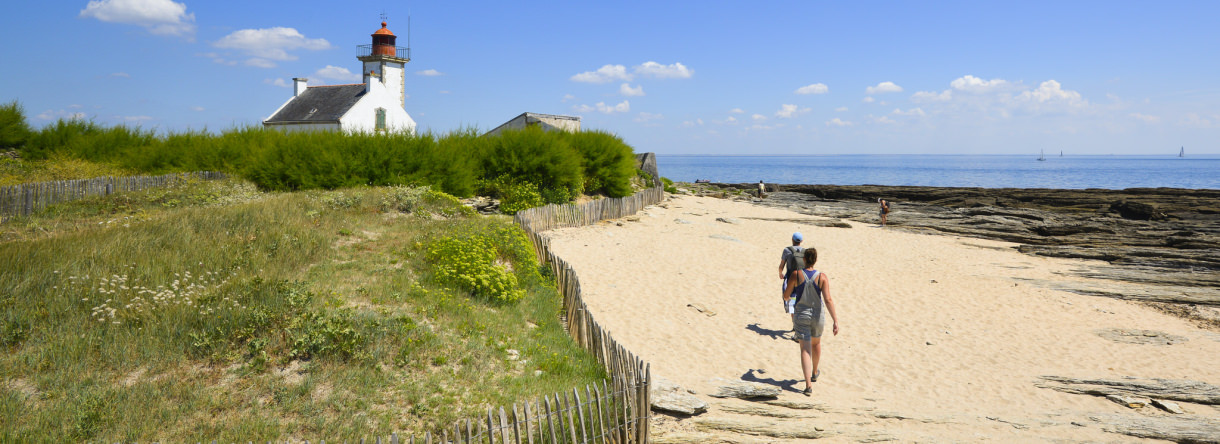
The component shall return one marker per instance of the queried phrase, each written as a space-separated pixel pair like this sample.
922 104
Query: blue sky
708 77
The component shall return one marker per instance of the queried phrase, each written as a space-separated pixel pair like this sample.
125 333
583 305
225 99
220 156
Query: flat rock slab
764 428
1187 429
669 397
761 410
746 390
1135 336
1156 388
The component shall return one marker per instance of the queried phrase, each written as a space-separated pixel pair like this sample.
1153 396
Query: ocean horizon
950 170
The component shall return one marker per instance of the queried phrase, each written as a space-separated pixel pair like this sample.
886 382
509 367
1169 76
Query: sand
942 338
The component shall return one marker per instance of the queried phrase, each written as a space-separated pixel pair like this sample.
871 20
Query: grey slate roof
319 104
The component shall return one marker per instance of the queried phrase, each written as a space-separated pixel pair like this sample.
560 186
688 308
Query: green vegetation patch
525 168
215 311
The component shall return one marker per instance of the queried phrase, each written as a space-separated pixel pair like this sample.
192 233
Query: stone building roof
320 104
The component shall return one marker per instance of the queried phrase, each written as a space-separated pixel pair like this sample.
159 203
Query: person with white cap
793 258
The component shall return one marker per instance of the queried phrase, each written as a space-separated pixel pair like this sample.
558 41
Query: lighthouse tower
386 63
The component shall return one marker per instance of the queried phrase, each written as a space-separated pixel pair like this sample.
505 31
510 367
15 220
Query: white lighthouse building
373 106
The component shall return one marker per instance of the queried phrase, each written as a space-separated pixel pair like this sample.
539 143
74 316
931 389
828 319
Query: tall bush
13 128
607 162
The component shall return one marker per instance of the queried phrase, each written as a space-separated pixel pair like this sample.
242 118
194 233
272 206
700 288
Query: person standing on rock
811 289
885 209
761 188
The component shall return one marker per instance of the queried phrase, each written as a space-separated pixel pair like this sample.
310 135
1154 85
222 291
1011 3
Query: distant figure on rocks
811 289
761 188
885 209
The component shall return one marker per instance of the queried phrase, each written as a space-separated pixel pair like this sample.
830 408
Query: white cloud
604 108
692 123
910 112
160 17
731 120
816 88
869 100
1145 118
976 85
647 117
657 70
928 96
120 74
196 108
737 111
51 114
885 120
331 72
1194 120
567 97
429 73
787 111
841 109
627 90
884 87
758 117
277 82
838 122
265 45
135 118
1051 91
259 63
605 74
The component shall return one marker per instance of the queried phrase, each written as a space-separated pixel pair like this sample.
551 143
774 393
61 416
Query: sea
985 171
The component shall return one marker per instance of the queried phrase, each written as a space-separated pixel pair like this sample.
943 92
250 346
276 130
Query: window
380 119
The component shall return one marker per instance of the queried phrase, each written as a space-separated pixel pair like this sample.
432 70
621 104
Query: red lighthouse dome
383 42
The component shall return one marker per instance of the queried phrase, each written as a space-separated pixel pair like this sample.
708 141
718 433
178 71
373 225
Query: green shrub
487 261
608 163
669 185
532 155
13 128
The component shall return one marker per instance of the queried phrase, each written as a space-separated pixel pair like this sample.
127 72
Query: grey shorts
807 324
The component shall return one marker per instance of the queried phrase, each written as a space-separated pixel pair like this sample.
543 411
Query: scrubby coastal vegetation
333 288
524 168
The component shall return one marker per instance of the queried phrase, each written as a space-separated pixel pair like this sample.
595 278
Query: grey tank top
811 294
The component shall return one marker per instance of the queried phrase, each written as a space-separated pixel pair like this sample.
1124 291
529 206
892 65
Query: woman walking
811 289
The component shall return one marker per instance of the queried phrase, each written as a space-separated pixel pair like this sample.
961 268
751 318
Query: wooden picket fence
20 200
617 411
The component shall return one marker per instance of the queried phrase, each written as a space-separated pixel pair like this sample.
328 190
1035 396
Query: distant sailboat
1060 153
1182 152
1042 155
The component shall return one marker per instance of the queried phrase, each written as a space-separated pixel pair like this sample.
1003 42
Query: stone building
549 122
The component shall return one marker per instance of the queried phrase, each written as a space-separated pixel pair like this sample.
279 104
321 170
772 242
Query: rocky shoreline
1166 239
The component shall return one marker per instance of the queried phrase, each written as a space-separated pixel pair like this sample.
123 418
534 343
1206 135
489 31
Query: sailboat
1042 155
1060 153
1182 152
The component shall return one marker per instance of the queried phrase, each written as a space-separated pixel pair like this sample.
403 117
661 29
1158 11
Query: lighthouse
385 62
374 106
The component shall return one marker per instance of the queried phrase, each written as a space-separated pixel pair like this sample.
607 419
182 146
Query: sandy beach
943 338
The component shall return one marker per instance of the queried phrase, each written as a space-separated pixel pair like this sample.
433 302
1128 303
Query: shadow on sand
788 385
773 334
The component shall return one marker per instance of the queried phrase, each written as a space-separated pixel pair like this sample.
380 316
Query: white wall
362 117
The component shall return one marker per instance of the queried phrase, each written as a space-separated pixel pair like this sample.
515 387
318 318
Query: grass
215 311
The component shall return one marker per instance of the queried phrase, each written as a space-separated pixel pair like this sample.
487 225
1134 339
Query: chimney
368 83
298 85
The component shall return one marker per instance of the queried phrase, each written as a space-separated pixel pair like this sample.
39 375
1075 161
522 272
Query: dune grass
215 311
